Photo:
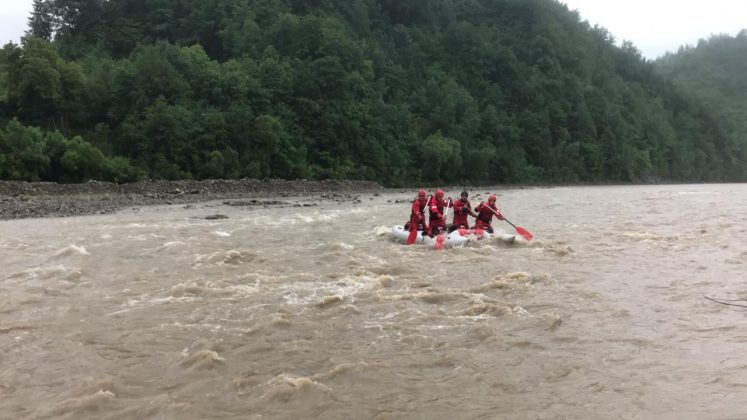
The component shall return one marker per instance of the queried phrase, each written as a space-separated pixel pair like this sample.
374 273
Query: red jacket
461 211
418 209
437 210
485 214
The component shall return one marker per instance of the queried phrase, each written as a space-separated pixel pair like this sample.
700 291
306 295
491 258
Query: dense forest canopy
716 71
397 91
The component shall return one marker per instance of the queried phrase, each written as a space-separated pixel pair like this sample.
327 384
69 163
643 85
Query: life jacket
484 214
461 210
437 216
418 206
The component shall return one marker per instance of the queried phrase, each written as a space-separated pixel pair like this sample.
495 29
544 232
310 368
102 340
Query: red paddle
520 230
441 236
413 232
440 241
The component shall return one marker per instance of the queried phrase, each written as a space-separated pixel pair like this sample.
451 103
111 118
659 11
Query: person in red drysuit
437 223
417 213
462 208
485 213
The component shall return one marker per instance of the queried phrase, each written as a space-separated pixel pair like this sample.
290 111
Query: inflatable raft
459 237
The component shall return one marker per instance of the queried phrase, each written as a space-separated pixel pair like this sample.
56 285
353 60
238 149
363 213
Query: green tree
22 153
41 87
40 22
442 158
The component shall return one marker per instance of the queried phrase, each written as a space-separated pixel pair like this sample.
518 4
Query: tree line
396 91
715 70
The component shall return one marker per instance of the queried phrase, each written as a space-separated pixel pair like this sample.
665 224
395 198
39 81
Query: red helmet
492 198
421 193
439 193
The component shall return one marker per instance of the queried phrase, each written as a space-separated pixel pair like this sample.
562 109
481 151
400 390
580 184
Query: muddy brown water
313 312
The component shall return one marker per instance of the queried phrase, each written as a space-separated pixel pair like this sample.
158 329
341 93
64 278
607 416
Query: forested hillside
397 91
715 70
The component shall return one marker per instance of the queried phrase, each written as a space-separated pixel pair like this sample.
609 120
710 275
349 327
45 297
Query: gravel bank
43 199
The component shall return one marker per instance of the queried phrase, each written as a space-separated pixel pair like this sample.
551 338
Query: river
313 312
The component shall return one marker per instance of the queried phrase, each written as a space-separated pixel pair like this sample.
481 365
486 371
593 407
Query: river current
313 312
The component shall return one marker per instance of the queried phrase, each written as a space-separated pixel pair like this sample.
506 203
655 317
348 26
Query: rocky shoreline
20 199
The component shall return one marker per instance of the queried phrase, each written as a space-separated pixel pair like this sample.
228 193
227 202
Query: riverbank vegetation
715 70
394 91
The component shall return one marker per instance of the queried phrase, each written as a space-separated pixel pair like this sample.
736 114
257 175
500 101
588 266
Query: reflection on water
306 312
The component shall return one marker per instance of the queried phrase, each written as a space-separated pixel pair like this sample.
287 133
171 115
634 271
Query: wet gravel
43 199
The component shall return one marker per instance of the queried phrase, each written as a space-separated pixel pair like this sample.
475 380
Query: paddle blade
413 235
440 241
524 233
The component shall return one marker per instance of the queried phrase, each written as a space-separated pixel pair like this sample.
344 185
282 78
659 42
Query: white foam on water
649 236
171 245
44 273
696 193
195 326
326 217
137 226
296 218
346 288
438 327
481 317
119 312
519 312
285 386
221 234
381 230
343 245
208 289
71 250
172 299
243 290
306 219
229 257
204 358
336 246
259 220
147 300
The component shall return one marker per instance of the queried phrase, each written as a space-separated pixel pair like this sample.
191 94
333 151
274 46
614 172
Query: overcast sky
658 26
654 26
13 17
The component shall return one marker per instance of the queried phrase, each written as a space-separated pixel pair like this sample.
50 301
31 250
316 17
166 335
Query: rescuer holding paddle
417 213
485 213
437 222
